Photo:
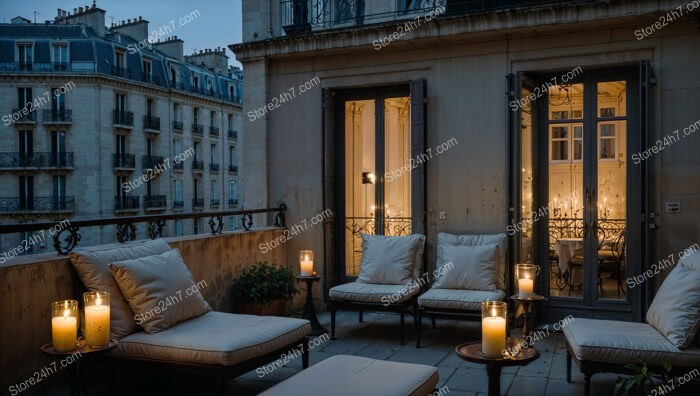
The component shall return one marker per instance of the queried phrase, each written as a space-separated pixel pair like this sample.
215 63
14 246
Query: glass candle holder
306 262
96 318
493 327
525 275
64 325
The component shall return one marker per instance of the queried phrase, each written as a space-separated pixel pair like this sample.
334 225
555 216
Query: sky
218 23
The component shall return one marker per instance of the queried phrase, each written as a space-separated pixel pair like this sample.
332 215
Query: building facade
539 119
98 122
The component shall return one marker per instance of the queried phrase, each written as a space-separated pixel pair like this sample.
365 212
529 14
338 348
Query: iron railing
30 117
67 235
121 72
213 131
198 166
151 161
179 166
233 168
122 117
232 202
36 160
177 126
49 67
155 202
197 129
61 116
151 122
124 161
232 134
63 204
214 203
197 202
303 16
151 79
213 167
178 205
126 202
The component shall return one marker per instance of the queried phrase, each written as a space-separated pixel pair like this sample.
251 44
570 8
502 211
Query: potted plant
642 381
263 289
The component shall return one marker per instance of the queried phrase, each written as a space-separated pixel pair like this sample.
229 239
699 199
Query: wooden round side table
528 305
471 352
309 309
79 366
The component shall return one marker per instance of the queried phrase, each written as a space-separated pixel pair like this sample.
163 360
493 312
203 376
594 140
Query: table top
82 347
307 277
534 298
471 352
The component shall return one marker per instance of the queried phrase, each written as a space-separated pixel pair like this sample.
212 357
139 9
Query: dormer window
147 76
59 54
26 56
195 83
119 68
173 78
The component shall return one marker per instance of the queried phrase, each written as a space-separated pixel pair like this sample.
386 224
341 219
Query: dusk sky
218 24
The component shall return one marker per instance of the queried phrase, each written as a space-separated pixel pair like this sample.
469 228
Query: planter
273 308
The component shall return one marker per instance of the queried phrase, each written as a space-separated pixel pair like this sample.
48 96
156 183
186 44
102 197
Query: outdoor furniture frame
401 308
221 373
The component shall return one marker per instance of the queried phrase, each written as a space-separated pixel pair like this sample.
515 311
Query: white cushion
476 240
389 260
160 290
619 342
216 338
370 292
467 267
344 375
464 300
91 264
675 310
692 260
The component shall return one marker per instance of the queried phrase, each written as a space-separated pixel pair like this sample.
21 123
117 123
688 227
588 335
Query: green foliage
642 377
263 283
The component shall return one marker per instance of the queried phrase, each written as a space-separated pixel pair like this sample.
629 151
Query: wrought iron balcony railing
121 72
155 202
213 131
126 202
214 203
197 202
232 134
198 166
123 117
50 67
151 79
124 161
178 205
178 166
197 129
213 168
68 233
151 122
64 204
29 118
151 161
177 126
303 16
49 160
60 116
232 202
233 168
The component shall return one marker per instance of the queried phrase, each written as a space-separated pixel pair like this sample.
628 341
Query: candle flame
493 312
65 313
527 276
98 302
306 257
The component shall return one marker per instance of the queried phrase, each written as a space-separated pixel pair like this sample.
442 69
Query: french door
576 198
378 190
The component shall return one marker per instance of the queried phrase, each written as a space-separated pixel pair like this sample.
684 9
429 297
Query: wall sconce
368 178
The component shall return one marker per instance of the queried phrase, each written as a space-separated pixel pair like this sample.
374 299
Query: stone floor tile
539 367
526 386
411 354
559 387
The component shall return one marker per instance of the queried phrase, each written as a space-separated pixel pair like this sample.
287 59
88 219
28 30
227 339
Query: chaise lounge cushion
91 264
675 311
465 300
389 260
619 342
160 290
215 338
478 240
372 293
361 376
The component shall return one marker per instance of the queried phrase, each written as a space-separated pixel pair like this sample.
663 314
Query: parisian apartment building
100 122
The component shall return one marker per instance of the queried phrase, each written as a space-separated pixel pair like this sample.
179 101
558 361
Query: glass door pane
611 196
565 173
397 152
528 125
360 179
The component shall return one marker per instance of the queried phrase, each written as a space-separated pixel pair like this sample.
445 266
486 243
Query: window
26 145
177 148
60 57
178 191
607 140
59 193
176 111
196 150
195 185
212 118
147 70
119 59
230 123
231 92
24 99
120 106
173 78
58 103
232 155
149 107
26 56
213 154
212 190
178 227
58 149
196 226
121 193
120 144
195 116
195 83
232 193
26 192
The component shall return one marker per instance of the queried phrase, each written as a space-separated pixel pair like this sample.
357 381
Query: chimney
172 47
92 17
80 10
137 29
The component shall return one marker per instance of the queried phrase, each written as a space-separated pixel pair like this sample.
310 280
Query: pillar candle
493 334
64 332
97 325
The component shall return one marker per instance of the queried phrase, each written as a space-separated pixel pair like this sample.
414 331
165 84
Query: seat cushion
675 310
475 240
467 267
389 259
160 290
361 376
466 300
216 338
618 342
91 264
370 292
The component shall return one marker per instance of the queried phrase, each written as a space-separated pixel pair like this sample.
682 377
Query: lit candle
493 334
64 326
525 287
97 321
306 262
